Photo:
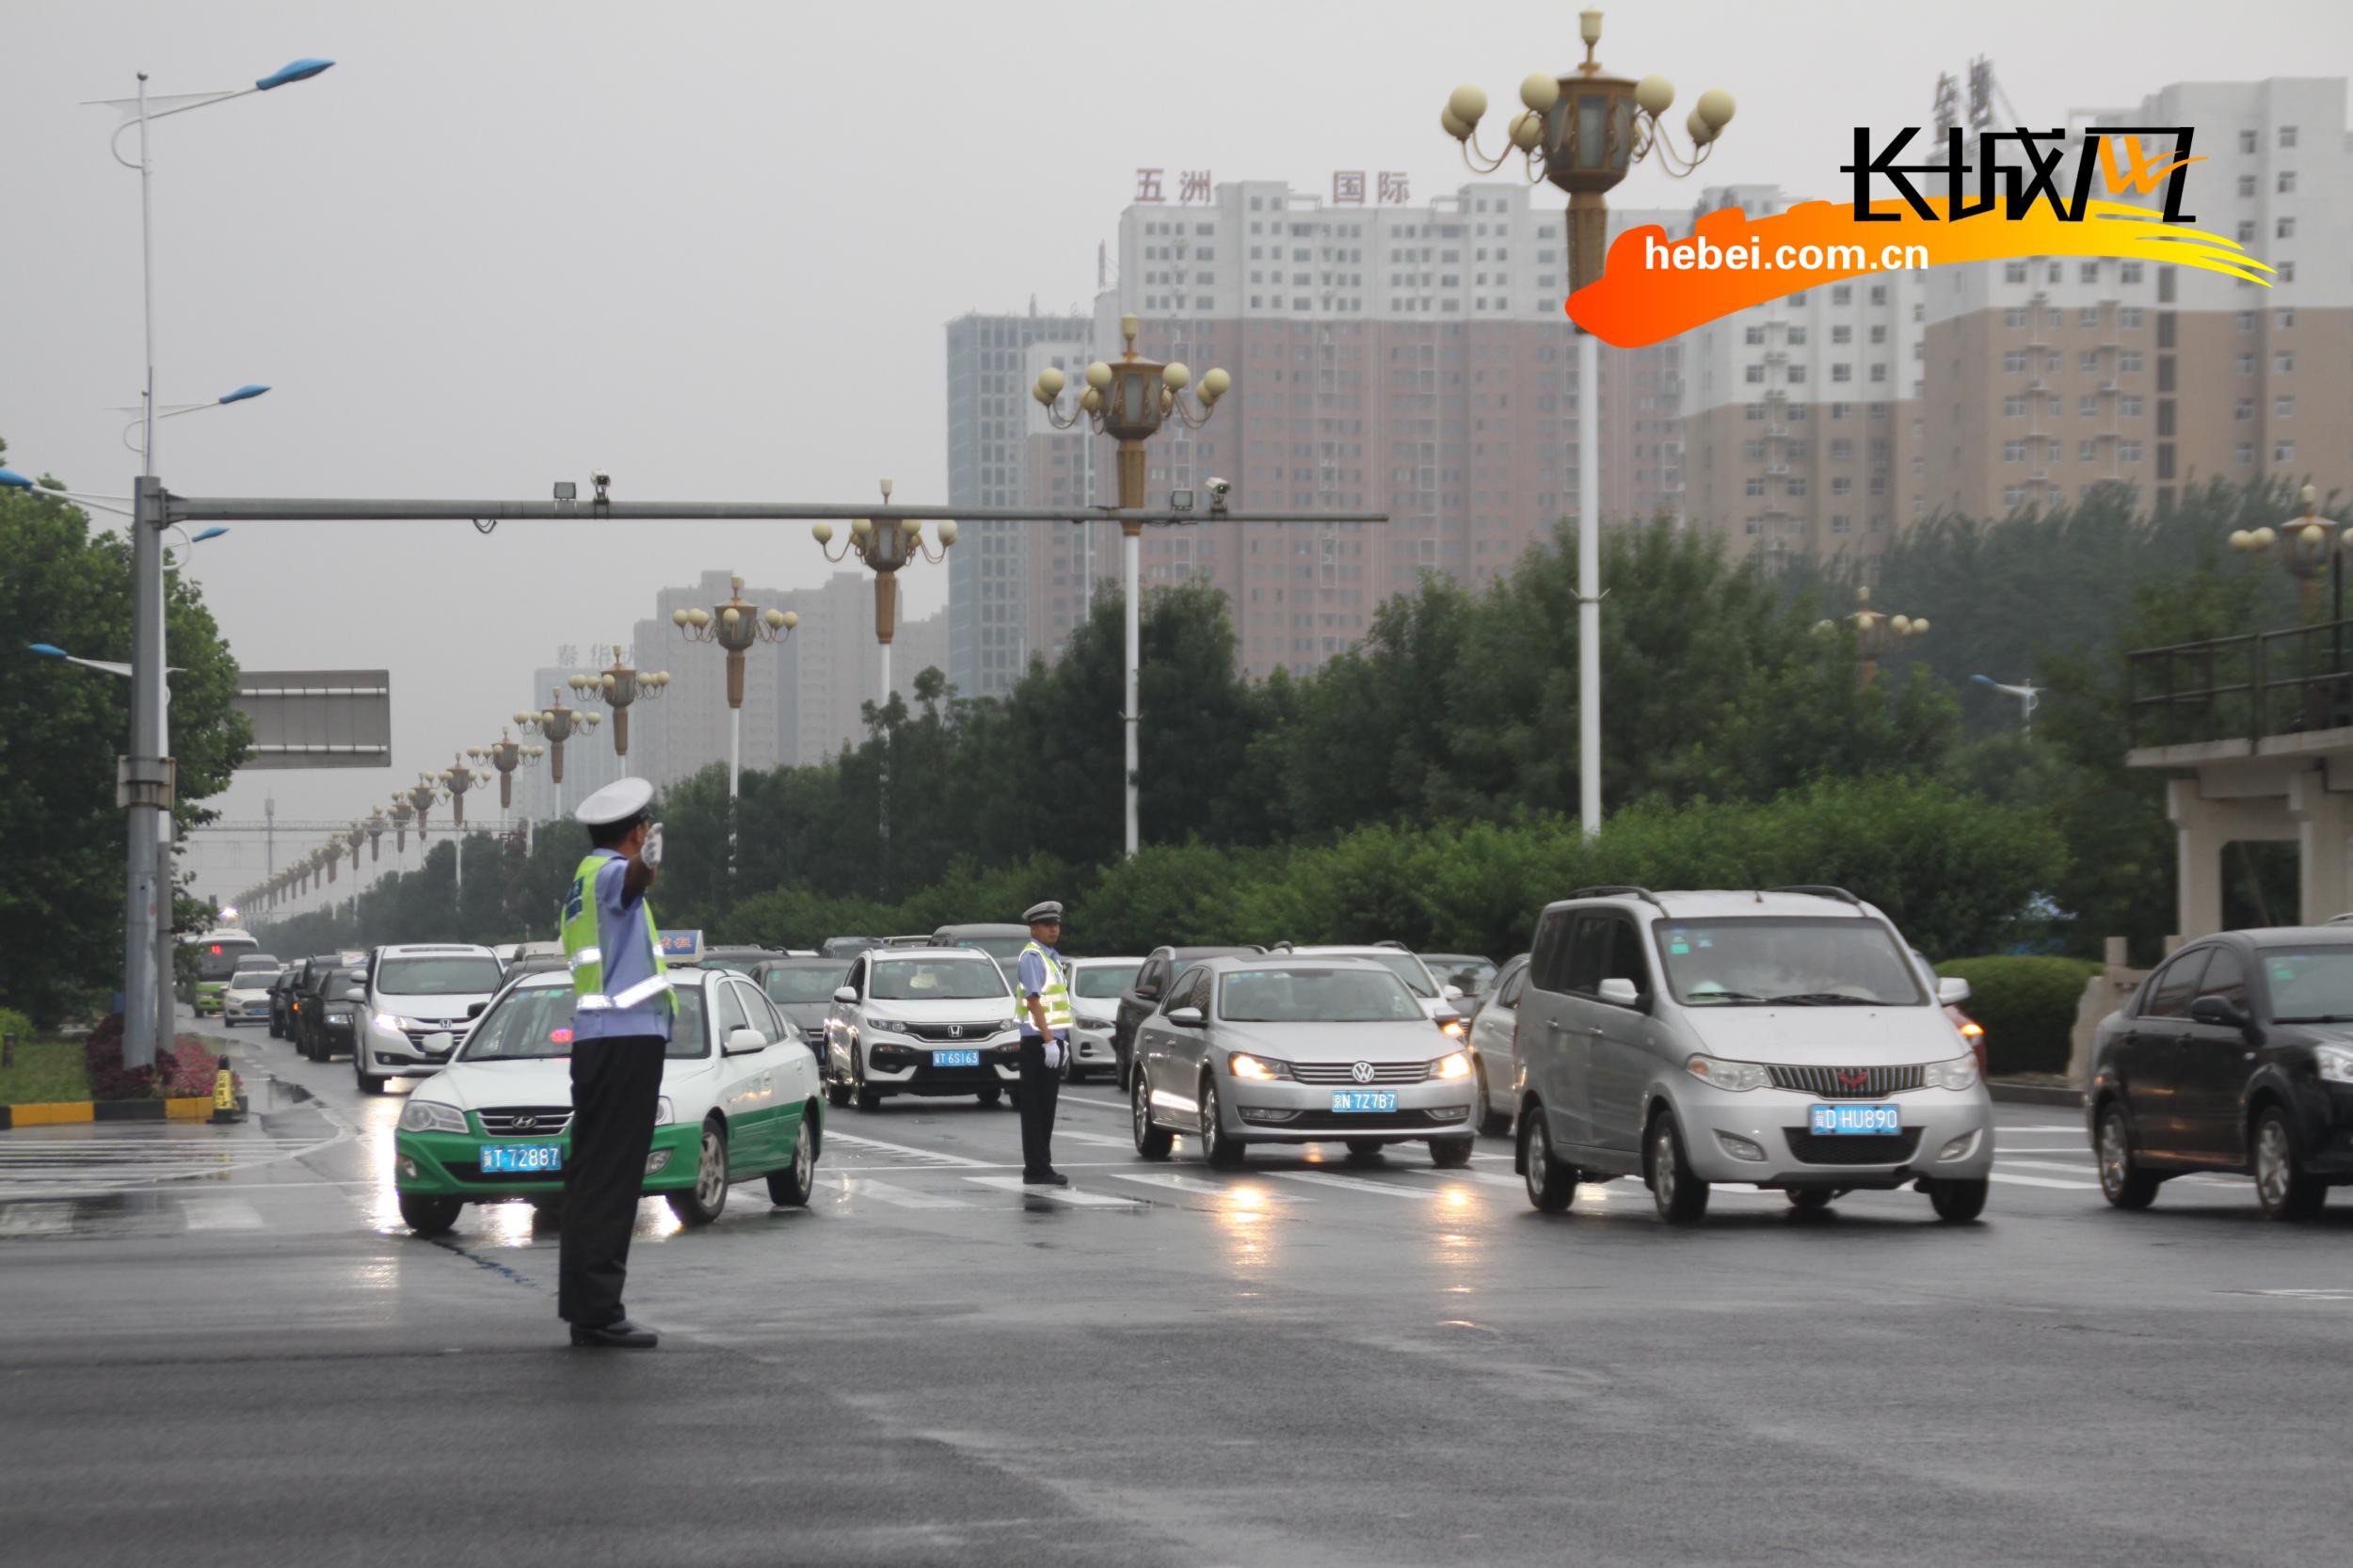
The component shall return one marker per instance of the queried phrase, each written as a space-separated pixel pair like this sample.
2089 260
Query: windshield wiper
1698 997
2319 1018
1824 998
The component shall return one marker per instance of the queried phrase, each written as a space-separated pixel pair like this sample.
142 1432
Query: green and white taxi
739 1099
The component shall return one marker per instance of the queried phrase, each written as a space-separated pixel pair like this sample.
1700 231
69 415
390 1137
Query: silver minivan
1781 1038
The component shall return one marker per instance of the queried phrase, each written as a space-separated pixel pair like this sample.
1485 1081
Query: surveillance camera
1220 487
600 478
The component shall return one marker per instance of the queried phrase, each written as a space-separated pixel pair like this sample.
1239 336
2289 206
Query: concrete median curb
193 1108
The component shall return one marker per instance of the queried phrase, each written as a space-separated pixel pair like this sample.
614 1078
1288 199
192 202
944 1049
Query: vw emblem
525 1124
1361 1072
956 1032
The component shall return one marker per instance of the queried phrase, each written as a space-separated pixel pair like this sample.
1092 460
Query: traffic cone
226 1107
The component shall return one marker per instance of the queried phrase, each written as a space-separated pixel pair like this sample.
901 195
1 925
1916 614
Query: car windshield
438 977
996 947
1300 993
739 962
534 1023
342 987
1473 977
937 979
1755 961
259 961
2310 985
805 982
218 960
1408 968
252 980
1104 982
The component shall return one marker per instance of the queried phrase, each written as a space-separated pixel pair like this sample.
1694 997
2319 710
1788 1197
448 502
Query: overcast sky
711 247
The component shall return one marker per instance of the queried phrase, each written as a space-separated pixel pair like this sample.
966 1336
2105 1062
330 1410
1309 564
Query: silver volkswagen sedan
1280 1050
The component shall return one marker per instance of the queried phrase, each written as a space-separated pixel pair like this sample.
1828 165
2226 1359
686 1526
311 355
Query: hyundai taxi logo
525 1124
1361 1072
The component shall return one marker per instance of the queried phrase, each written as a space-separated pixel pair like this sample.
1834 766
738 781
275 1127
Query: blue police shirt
623 937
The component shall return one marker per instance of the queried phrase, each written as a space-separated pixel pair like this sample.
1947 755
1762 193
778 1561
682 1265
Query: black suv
309 998
2236 1055
281 1001
340 1003
1138 1000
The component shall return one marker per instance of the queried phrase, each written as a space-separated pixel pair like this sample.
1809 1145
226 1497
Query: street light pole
734 625
1583 131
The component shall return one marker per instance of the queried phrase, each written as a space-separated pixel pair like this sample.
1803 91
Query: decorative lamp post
558 724
333 851
400 814
2309 545
459 778
735 626
1876 636
619 685
423 797
354 835
1582 131
886 545
376 826
506 756
1128 400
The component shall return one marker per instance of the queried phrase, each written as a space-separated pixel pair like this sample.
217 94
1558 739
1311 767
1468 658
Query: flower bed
185 1071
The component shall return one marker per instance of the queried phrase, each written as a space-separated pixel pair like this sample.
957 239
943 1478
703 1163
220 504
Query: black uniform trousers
615 1085
1041 1089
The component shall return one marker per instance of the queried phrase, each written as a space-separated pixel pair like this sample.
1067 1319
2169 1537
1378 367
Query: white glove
651 852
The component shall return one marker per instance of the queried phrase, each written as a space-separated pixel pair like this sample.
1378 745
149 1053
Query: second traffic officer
1045 1007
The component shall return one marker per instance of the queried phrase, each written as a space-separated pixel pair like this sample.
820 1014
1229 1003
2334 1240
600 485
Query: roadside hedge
2027 1006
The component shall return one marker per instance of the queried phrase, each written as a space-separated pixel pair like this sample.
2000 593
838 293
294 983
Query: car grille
1362 1122
1870 1149
455 1029
1345 1072
1846 1083
953 1034
548 1121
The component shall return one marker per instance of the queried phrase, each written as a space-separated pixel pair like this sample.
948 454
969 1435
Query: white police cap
1043 914
616 802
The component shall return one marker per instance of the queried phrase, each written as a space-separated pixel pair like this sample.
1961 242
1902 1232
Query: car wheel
1219 1148
1959 1201
2122 1182
1809 1199
791 1186
2282 1186
1152 1142
428 1215
703 1201
1681 1197
367 1085
837 1094
990 1095
1451 1153
1551 1185
1366 1148
1491 1121
865 1099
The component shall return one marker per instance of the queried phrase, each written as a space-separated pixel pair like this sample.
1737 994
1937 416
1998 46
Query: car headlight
885 1026
394 1021
1718 1073
2336 1064
663 1111
1453 1029
1257 1069
432 1116
1959 1073
1456 1063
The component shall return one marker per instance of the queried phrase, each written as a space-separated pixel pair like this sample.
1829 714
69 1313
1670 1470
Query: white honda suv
422 998
931 1021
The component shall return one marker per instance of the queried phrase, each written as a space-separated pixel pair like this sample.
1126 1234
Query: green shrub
2027 1006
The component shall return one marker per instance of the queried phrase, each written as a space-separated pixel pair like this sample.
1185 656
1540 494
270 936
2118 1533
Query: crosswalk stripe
1104 1140
1485 1179
859 1141
1356 1184
2079 1169
1208 1189
229 1214
900 1197
2044 1181
35 1219
1070 1195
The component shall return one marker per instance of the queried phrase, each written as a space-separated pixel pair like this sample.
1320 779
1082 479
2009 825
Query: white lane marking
35 1219
1099 1105
1210 1188
2044 1181
1070 1195
2011 1126
2085 1168
859 1141
224 1216
901 1197
1356 1184
1103 1138
1485 1179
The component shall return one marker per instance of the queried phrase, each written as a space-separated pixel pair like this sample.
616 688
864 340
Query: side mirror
2214 1010
845 995
1453 993
1620 993
1952 991
1187 1018
474 1009
742 1041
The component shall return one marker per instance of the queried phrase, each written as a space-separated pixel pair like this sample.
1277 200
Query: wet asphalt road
222 1347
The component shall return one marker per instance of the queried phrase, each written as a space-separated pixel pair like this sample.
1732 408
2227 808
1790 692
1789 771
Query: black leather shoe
618 1335
1050 1179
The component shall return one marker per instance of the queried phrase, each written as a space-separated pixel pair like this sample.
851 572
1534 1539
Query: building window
2284 408
2013 451
2287 272
2084 451
2287 181
2129 361
1842 372
2128 407
2243 454
2284 452
2285 229
2013 408
2245 186
2246 141
1841 523
2244 408
2128 452
2014 272
1754 336
2284 361
1752 374
2129 272
2128 317
2287 136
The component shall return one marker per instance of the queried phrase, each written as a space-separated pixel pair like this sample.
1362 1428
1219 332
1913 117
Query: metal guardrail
2243 688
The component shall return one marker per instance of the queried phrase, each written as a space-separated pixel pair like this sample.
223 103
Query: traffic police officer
621 1015
1045 1042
